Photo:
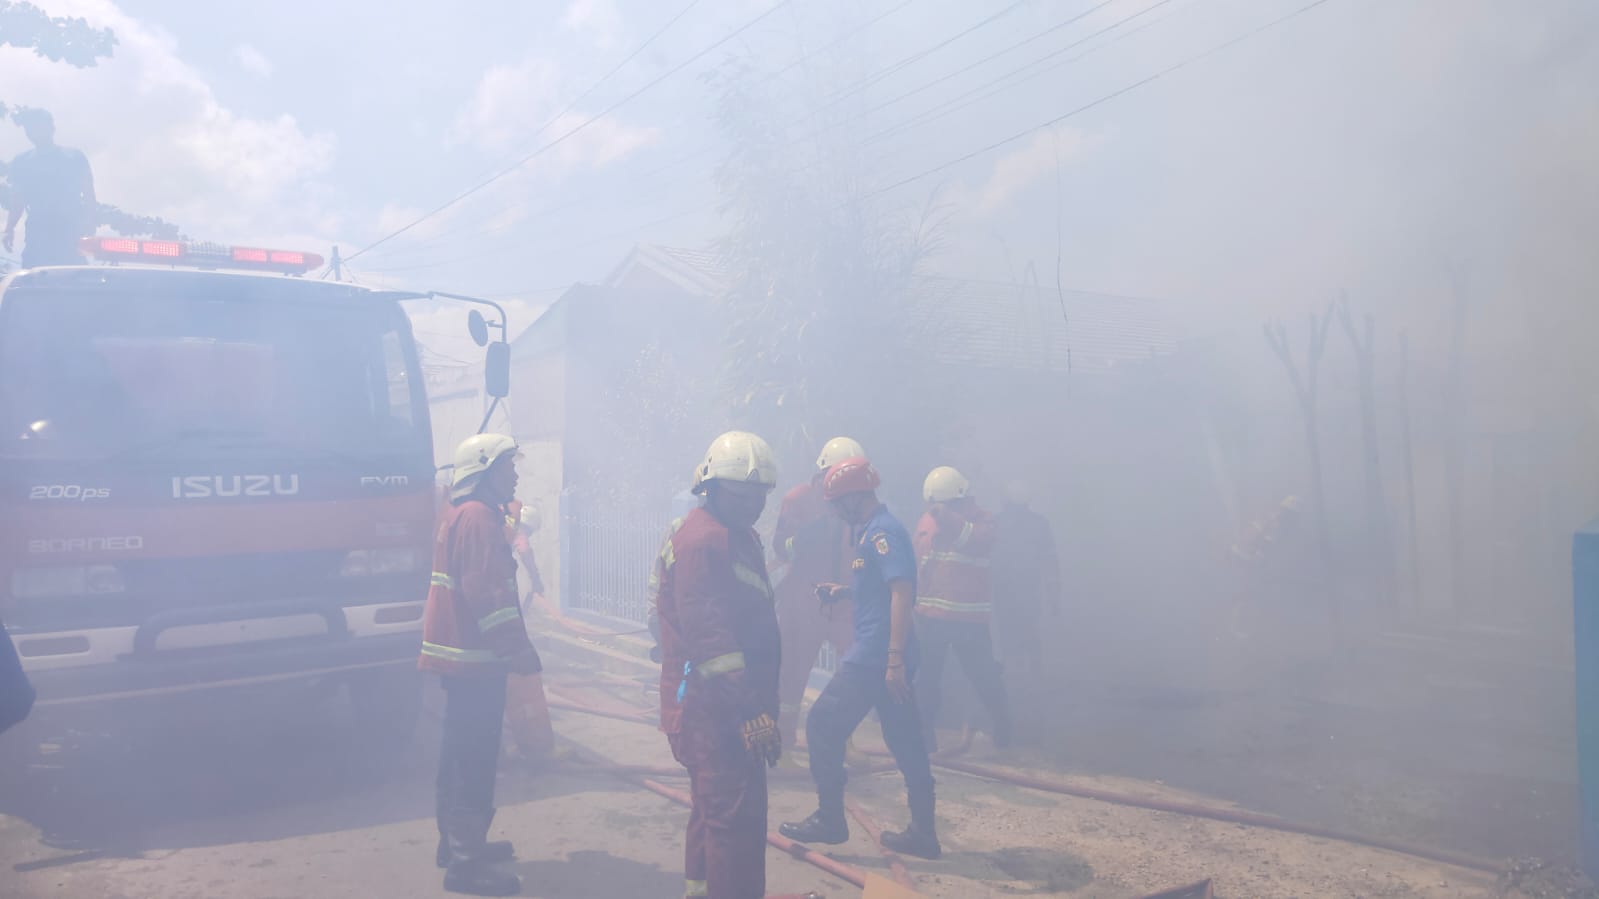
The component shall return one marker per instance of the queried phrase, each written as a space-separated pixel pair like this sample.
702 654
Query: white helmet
737 456
837 450
477 453
530 518
944 484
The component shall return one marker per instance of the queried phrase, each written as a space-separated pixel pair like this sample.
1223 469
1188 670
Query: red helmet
852 475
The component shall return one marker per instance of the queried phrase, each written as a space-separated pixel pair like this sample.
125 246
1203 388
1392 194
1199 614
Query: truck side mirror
477 327
497 370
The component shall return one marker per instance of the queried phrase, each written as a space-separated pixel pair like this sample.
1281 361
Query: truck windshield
103 375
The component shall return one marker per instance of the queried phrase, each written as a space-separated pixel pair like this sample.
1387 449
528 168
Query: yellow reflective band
496 618
722 664
692 889
668 557
966 534
934 602
788 546
961 558
458 655
753 578
440 579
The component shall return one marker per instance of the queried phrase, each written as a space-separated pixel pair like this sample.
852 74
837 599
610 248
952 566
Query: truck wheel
387 703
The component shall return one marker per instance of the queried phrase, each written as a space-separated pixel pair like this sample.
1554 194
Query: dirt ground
272 796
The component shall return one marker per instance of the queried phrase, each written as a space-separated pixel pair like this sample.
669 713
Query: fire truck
214 472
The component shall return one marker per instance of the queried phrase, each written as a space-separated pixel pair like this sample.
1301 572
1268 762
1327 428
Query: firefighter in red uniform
521 522
720 657
954 600
814 545
472 637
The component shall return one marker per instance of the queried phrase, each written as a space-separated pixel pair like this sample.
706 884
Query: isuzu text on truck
210 478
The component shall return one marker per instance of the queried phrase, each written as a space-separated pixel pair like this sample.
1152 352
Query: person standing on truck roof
721 652
473 636
54 188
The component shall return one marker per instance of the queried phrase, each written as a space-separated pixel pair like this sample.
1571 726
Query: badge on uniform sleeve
882 544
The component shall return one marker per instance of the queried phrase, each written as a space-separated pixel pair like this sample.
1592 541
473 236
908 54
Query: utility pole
337 264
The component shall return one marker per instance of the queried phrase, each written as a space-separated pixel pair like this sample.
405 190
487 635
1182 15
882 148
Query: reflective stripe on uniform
692 889
788 547
440 579
722 664
966 534
934 602
753 578
961 558
458 655
497 618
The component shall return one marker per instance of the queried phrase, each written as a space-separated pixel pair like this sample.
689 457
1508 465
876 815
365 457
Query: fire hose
1189 809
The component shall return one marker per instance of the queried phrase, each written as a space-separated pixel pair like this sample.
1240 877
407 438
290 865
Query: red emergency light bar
199 255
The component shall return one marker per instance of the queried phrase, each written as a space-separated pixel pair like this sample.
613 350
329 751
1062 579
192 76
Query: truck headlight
370 562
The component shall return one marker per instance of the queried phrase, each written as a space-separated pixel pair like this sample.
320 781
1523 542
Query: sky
1153 147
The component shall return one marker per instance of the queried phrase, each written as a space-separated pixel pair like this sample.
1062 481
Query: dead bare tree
1378 537
1412 534
1455 442
1305 390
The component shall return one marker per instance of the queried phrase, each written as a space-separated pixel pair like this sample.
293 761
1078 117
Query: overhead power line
1010 49
603 79
645 45
1009 80
706 150
573 131
910 60
1100 101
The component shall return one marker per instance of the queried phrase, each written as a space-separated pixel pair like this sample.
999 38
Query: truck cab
211 478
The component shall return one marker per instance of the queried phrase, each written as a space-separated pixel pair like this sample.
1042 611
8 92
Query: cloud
599 20
1026 167
253 61
161 143
512 102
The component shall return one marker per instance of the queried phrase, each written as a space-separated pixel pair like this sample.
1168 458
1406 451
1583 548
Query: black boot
471 858
481 879
497 851
918 839
818 828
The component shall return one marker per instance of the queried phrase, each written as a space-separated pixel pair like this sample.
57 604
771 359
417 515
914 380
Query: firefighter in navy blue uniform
473 636
877 673
720 658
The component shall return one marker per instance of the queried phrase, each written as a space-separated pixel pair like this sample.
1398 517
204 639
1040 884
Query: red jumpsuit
954 602
523 545
815 547
720 652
